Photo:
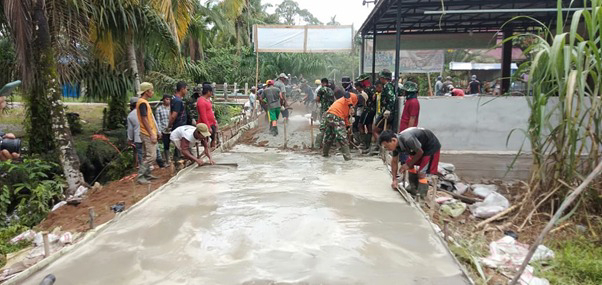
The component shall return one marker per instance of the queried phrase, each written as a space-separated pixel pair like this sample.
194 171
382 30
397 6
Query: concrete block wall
476 124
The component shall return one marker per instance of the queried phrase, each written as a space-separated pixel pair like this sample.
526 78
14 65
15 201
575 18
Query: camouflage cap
387 74
197 89
410 86
346 79
363 77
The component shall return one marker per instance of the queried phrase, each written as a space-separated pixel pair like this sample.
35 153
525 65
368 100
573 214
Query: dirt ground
76 218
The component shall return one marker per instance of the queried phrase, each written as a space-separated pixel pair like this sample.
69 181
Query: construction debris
507 254
493 204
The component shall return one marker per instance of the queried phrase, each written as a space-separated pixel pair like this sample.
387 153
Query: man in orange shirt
335 122
148 133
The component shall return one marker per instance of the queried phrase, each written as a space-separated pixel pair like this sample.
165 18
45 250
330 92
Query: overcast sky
347 11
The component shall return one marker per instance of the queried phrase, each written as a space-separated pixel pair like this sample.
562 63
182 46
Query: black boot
413 180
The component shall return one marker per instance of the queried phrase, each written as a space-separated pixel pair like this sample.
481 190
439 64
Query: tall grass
565 78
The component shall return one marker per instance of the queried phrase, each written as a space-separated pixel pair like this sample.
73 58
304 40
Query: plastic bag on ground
445 168
493 204
460 188
39 240
81 190
483 190
66 238
27 235
58 205
454 209
508 254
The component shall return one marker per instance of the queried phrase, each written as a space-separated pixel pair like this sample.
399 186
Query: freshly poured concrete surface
279 218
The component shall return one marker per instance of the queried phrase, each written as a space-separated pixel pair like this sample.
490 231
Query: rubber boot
326 149
423 188
357 139
367 143
142 174
319 139
375 149
346 152
275 131
413 180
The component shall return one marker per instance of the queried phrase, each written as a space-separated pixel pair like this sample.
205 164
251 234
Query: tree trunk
47 84
192 48
131 54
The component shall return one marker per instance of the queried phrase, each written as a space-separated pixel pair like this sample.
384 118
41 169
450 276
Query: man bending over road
424 150
185 137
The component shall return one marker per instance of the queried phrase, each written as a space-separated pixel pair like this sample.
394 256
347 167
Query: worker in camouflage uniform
385 107
336 122
368 112
190 103
325 96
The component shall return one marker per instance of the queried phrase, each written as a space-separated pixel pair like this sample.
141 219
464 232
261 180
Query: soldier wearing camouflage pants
334 125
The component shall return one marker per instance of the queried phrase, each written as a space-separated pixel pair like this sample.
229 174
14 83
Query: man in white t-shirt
185 137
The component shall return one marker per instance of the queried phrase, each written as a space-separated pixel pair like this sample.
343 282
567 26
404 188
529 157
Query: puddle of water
279 218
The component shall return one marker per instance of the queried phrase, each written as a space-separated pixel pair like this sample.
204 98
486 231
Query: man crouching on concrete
424 150
185 137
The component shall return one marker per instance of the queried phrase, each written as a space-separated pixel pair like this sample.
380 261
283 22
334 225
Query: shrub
29 190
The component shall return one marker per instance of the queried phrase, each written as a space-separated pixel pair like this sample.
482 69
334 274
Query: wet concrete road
279 218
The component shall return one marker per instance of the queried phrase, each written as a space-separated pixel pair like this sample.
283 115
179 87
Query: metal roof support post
506 60
374 55
397 48
362 54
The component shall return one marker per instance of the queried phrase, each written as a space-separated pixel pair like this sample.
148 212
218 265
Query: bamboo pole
565 204
428 77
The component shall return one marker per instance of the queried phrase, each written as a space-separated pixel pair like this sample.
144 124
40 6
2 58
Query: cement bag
483 190
446 168
493 204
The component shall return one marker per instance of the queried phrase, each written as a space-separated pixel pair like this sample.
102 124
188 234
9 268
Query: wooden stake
46 244
285 138
565 204
311 131
91 216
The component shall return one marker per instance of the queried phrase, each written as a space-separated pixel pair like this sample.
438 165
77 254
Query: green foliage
565 123
75 123
6 234
107 84
223 113
29 189
577 261
121 165
289 11
7 60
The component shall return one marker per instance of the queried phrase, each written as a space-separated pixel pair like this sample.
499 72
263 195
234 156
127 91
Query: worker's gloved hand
387 113
282 108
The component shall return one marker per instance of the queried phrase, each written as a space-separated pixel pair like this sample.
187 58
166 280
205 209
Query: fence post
246 89
226 91
235 91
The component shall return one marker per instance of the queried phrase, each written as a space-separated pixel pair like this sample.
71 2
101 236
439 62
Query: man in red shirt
205 109
457 91
411 108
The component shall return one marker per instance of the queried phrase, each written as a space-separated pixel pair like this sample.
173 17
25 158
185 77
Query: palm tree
132 23
35 39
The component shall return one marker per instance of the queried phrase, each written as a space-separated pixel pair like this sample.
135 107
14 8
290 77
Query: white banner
306 39
410 61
